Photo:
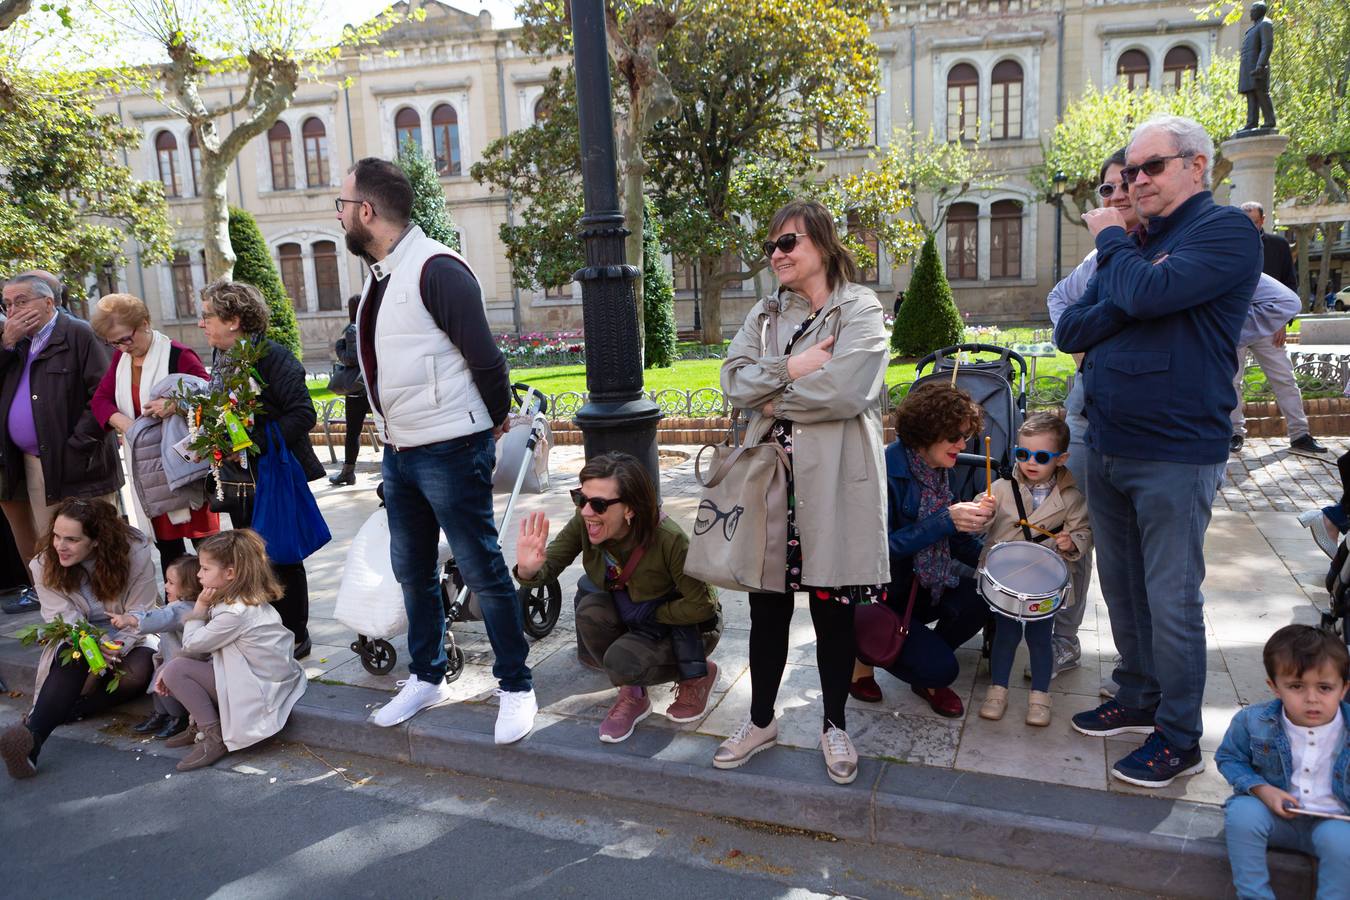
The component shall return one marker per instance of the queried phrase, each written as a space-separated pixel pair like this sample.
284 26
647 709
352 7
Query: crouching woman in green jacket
650 623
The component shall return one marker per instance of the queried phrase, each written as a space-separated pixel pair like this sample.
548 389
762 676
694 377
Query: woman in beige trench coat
92 566
808 365
245 689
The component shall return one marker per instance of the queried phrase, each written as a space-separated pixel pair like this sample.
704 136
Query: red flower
218 455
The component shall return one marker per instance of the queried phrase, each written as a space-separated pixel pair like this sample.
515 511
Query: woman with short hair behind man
142 359
808 365
232 311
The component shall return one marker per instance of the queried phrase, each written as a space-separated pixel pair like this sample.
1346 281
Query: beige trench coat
837 438
141 592
257 679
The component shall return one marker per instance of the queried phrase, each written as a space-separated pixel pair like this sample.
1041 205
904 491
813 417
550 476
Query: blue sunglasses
1022 454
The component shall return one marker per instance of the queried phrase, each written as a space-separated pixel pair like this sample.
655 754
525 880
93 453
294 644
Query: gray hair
1253 205
1188 136
36 283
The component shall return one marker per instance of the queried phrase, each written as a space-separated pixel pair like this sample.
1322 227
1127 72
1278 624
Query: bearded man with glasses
1158 325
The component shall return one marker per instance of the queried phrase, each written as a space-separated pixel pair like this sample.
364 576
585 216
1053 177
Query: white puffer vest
426 391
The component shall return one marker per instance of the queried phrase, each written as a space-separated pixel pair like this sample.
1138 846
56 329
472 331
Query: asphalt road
108 815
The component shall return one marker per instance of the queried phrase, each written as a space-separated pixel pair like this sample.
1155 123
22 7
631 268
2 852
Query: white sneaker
416 696
515 717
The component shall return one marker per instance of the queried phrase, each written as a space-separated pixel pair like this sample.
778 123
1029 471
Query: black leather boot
154 723
172 725
346 476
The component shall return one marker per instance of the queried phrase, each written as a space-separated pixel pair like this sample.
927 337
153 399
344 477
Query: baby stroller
370 600
990 384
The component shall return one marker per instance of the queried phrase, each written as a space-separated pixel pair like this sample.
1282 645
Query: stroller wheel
456 668
540 607
379 657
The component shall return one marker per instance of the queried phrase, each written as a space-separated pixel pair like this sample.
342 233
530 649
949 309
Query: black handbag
346 381
236 489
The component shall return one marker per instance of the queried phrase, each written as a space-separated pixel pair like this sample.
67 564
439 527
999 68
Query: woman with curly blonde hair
928 534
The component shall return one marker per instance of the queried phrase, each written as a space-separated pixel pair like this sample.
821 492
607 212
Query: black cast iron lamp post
618 415
1061 183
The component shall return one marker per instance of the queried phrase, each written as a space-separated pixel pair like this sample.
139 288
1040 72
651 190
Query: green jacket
659 576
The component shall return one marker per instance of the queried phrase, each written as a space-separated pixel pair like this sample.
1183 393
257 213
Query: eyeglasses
1042 457
1152 168
121 342
785 242
597 504
341 200
1106 190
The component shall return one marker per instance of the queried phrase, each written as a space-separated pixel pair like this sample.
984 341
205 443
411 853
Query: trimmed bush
928 318
658 297
429 211
254 266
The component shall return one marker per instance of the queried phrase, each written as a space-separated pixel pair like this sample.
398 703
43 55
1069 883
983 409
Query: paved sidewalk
1264 572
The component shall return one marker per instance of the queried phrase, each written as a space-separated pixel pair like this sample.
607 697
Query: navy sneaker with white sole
21 601
1157 763
1112 718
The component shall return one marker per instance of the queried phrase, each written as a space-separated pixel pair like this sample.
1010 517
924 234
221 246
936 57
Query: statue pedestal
1253 157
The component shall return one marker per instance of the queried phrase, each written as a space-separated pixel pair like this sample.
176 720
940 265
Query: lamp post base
624 426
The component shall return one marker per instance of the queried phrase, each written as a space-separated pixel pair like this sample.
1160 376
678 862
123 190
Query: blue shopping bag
285 513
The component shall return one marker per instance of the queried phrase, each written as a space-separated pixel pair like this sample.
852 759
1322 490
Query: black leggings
770 618
62 699
358 406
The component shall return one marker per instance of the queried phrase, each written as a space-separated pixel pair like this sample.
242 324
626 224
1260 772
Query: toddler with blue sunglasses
1056 512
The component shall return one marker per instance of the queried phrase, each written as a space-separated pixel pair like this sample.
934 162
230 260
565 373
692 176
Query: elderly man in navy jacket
1159 324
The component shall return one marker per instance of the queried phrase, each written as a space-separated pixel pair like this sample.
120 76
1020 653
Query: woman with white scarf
142 357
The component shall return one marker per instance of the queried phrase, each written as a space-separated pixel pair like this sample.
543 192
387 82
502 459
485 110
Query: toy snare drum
1024 580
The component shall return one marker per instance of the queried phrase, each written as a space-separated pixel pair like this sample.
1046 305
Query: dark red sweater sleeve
104 402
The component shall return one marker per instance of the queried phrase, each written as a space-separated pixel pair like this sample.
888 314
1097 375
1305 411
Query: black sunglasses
1107 190
1152 168
1042 457
785 242
597 504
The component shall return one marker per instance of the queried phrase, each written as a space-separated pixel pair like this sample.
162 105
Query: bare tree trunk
10 10
216 218
1329 232
712 282
631 169
1303 234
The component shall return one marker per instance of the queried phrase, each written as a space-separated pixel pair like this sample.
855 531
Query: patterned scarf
932 564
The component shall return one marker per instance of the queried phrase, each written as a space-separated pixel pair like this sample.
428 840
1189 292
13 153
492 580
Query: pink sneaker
631 708
691 697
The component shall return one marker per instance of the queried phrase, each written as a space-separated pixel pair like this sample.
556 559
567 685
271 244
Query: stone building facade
1006 67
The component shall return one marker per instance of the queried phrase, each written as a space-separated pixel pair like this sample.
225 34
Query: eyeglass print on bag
709 515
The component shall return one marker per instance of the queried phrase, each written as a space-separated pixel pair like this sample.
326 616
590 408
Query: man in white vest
440 391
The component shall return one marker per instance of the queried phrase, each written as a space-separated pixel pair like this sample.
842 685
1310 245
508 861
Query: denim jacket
1256 751
907 534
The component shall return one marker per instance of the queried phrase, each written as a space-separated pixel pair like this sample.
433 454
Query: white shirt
1314 754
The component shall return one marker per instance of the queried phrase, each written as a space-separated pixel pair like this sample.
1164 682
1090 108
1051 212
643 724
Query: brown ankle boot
185 737
208 750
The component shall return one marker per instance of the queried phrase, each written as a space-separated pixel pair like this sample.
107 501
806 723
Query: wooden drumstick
988 467
956 368
1036 528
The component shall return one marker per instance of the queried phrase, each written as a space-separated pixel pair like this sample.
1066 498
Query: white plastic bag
369 600
511 455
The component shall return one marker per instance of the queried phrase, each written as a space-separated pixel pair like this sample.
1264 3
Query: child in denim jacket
1291 757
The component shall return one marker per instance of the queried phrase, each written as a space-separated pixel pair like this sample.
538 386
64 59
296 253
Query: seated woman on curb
927 531
651 624
93 566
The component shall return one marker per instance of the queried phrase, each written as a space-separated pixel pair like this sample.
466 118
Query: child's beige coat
1065 509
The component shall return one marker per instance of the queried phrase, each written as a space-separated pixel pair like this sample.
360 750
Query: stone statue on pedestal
1254 74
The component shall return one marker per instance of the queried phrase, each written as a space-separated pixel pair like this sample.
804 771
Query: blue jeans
1070 616
1007 635
1148 521
1249 828
447 486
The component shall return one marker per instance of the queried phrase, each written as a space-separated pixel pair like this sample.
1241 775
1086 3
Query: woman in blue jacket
928 535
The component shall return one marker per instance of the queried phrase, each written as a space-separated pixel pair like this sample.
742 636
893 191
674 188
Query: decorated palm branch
77 641
219 419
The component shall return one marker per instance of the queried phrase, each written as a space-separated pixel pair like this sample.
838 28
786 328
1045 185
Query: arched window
541 108
326 279
166 151
407 127
283 164
181 270
445 139
292 265
1132 70
1005 239
963 102
1006 113
316 152
195 154
1179 64
963 242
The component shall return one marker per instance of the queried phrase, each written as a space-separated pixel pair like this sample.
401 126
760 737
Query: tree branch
11 10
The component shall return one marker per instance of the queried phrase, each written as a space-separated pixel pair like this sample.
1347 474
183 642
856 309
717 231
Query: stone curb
1143 843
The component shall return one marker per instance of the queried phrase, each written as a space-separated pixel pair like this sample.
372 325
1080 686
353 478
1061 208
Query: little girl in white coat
246 690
